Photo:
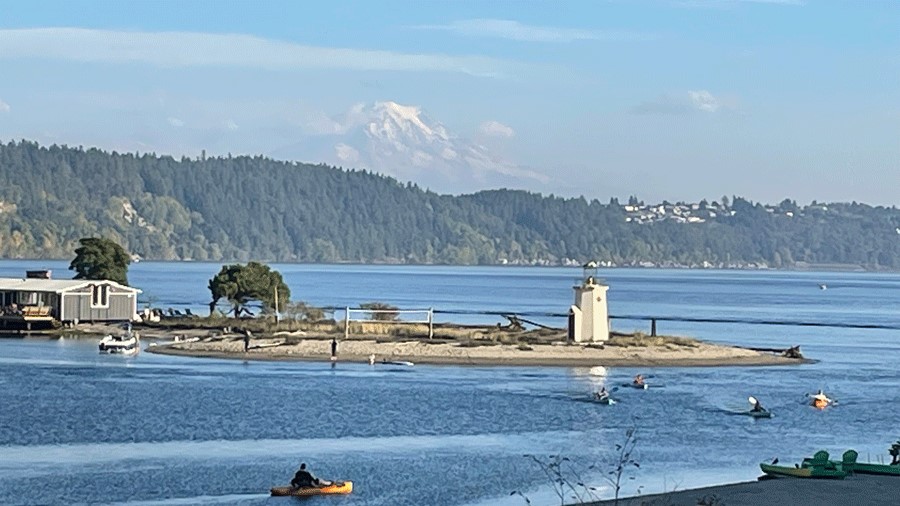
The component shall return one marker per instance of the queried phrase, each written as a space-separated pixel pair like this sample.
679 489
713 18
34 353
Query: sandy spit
424 352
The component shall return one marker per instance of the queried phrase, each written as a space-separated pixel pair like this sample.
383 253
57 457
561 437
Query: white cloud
496 129
346 153
513 30
175 122
4 107
704 100
192 49
683 103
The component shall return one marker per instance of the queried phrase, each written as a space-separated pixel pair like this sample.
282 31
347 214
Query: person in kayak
303 478
757 406
638 380
602 395
820 400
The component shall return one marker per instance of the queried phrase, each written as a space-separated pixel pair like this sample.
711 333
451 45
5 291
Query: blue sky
665 99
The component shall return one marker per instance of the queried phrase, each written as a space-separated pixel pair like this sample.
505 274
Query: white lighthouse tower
589 316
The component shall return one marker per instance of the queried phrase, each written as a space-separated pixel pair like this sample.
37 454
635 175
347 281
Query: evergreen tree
99 258
243 284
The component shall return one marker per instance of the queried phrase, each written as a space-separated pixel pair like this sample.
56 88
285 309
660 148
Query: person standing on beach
246 341
333 349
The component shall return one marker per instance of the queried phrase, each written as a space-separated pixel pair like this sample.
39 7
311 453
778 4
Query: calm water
80 428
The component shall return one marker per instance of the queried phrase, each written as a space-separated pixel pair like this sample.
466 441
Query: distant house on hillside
37 300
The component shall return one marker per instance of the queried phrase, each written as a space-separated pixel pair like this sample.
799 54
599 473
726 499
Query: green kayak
866 468
850 464
802 472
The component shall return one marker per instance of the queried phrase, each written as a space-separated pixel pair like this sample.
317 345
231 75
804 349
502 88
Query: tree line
237 209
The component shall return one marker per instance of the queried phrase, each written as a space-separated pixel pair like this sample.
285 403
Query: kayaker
602 395
304 478
638 380
757 406
820 400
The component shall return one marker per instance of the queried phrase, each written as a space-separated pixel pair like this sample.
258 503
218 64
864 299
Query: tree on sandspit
381 311
242 284
100 258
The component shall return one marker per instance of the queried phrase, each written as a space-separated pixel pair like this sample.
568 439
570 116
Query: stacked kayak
816 467
867 468
801 472
850 464
338 487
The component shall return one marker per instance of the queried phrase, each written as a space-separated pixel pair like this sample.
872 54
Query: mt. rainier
403 142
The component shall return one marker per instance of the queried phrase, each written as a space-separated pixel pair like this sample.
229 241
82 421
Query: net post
347 322
431 323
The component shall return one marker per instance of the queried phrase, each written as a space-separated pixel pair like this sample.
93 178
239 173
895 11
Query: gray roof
53 285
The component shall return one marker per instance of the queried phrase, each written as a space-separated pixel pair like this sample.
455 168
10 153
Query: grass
639 339
568 479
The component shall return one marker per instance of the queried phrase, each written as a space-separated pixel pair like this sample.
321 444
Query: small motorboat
126 344
336 488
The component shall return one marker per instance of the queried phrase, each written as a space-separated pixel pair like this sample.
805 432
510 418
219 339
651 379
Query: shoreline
869 489
421 351
619 351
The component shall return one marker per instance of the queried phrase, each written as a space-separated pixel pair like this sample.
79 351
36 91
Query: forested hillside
245 208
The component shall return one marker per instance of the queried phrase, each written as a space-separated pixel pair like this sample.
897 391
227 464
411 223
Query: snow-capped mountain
403 142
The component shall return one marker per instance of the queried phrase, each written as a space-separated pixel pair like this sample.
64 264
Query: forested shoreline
242 208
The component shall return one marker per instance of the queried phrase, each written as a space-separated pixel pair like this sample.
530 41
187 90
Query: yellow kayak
338 487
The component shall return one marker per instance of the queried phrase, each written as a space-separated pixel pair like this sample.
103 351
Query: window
99 296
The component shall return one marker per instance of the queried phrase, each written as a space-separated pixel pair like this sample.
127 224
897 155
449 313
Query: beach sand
853 490
425 351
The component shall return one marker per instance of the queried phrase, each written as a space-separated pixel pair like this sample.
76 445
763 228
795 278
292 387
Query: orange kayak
338 487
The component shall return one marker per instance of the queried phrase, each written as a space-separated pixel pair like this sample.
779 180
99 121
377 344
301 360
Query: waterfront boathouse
36 301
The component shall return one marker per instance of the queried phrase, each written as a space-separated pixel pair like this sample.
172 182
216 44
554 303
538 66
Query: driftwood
792 352
515 324
517 320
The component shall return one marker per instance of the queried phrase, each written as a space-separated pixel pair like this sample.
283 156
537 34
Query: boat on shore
850 464
336 488
404 363
817 466
777 471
